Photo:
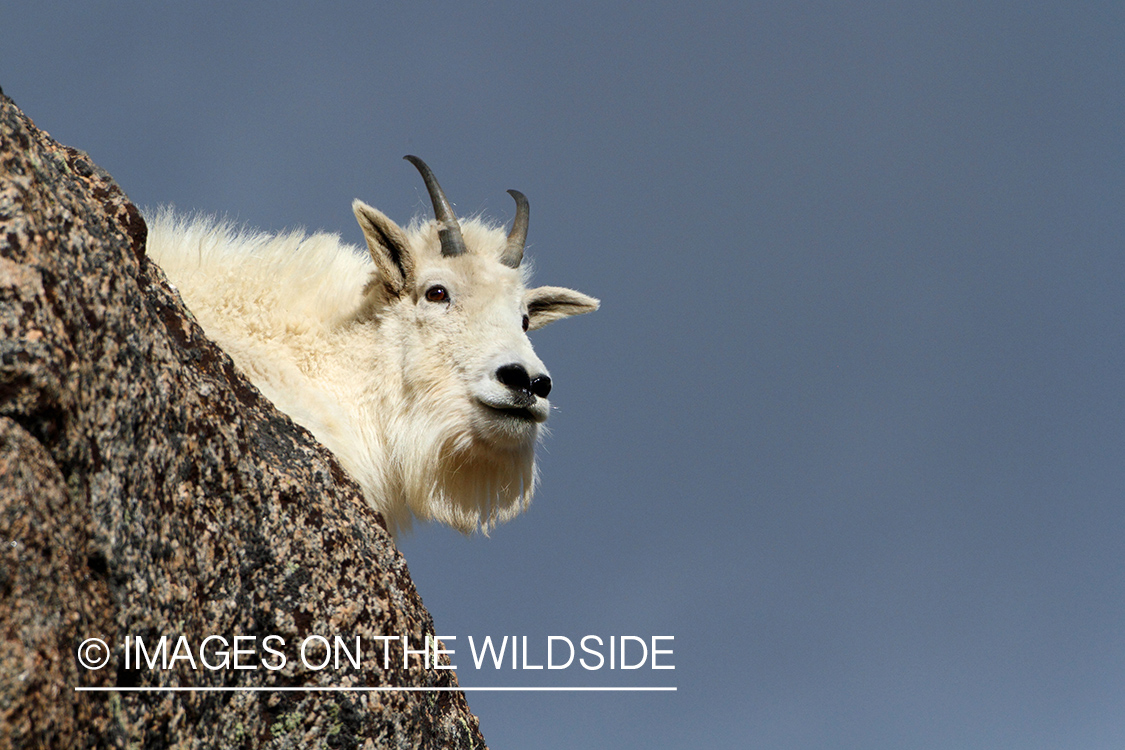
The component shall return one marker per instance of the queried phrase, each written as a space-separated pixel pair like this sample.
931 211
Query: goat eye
526 321
437 293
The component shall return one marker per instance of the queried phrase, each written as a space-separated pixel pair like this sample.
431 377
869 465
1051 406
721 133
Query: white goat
410 363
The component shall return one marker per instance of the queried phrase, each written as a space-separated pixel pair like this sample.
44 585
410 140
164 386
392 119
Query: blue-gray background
849 424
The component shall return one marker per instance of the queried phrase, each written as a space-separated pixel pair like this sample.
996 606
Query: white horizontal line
380 689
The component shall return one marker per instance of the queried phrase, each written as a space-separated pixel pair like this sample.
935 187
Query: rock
147 489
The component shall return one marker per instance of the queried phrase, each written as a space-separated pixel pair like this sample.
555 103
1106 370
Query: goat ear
387 243
547 304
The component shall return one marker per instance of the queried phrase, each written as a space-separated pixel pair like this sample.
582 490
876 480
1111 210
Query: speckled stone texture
146 488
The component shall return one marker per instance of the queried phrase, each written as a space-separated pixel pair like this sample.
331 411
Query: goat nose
516 378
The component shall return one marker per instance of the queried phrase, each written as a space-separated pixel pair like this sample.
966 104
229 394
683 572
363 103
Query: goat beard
463 480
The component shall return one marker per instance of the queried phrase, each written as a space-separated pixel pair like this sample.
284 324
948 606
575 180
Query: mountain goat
411 363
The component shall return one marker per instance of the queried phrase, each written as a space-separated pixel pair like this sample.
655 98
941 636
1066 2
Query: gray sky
849 424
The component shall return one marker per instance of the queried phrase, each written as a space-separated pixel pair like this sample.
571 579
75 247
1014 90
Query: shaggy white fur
390 358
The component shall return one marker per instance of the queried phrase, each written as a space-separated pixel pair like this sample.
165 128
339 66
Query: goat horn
517 237
452 243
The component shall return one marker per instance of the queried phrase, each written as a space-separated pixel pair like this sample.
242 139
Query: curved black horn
517 237
448 229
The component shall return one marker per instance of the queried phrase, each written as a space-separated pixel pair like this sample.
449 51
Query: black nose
516 378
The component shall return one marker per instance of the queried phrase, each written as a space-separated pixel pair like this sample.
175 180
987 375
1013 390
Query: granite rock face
147 489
